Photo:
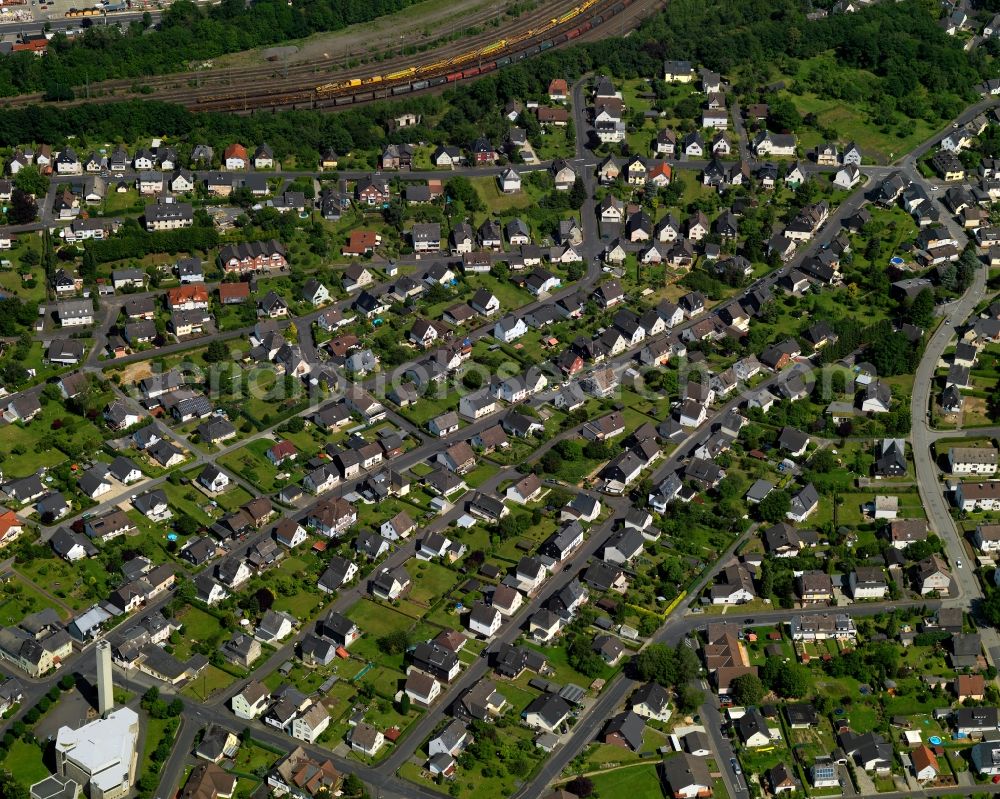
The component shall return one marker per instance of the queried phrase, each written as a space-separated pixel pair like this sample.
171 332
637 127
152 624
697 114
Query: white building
973 460
101 754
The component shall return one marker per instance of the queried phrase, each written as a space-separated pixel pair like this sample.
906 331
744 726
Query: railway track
299 86
286 77
443 72
242 96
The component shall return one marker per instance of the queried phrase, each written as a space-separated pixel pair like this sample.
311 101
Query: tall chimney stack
105 680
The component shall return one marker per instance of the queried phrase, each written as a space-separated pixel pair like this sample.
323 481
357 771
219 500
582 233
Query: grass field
233 498
252 757
251 463
25 762
22 455
78 585
189 501
851 122
496 201
19 598
199 626
510 296
377 620
637 782
211 679
155 731
431 581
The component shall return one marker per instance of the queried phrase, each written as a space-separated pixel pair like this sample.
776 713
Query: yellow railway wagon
403 73
336 86
493 47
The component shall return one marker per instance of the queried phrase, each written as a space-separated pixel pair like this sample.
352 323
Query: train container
418 85
488 67
596 21
534 50
618 8
573 34
401 89
372 80
560 39
381 94
437 81
454 76
363 97
345 99
502 62
585 26
471 72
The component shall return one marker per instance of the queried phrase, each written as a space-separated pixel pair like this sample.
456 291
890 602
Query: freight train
414 79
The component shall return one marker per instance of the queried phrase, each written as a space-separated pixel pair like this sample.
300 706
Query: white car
958 563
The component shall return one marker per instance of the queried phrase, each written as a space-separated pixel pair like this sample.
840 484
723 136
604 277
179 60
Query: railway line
283 76
302 86
472 63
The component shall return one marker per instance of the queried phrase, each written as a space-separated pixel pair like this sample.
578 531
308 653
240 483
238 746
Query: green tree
921 310
774 506
10 788
792 681
23 208
394 643
217 351
460 191
747 689
31 181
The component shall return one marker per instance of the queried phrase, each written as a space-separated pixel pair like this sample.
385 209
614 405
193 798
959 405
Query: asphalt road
62 24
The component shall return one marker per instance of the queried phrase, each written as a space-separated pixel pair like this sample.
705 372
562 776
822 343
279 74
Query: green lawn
199 626
636 782
520 759
306 600
497 201
155 730
510 295
24 761
251 757
429 407
19 598
483 472
211 679
251 463
78 585
851 122
189 501
21 454
430 582
377 620
233 498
